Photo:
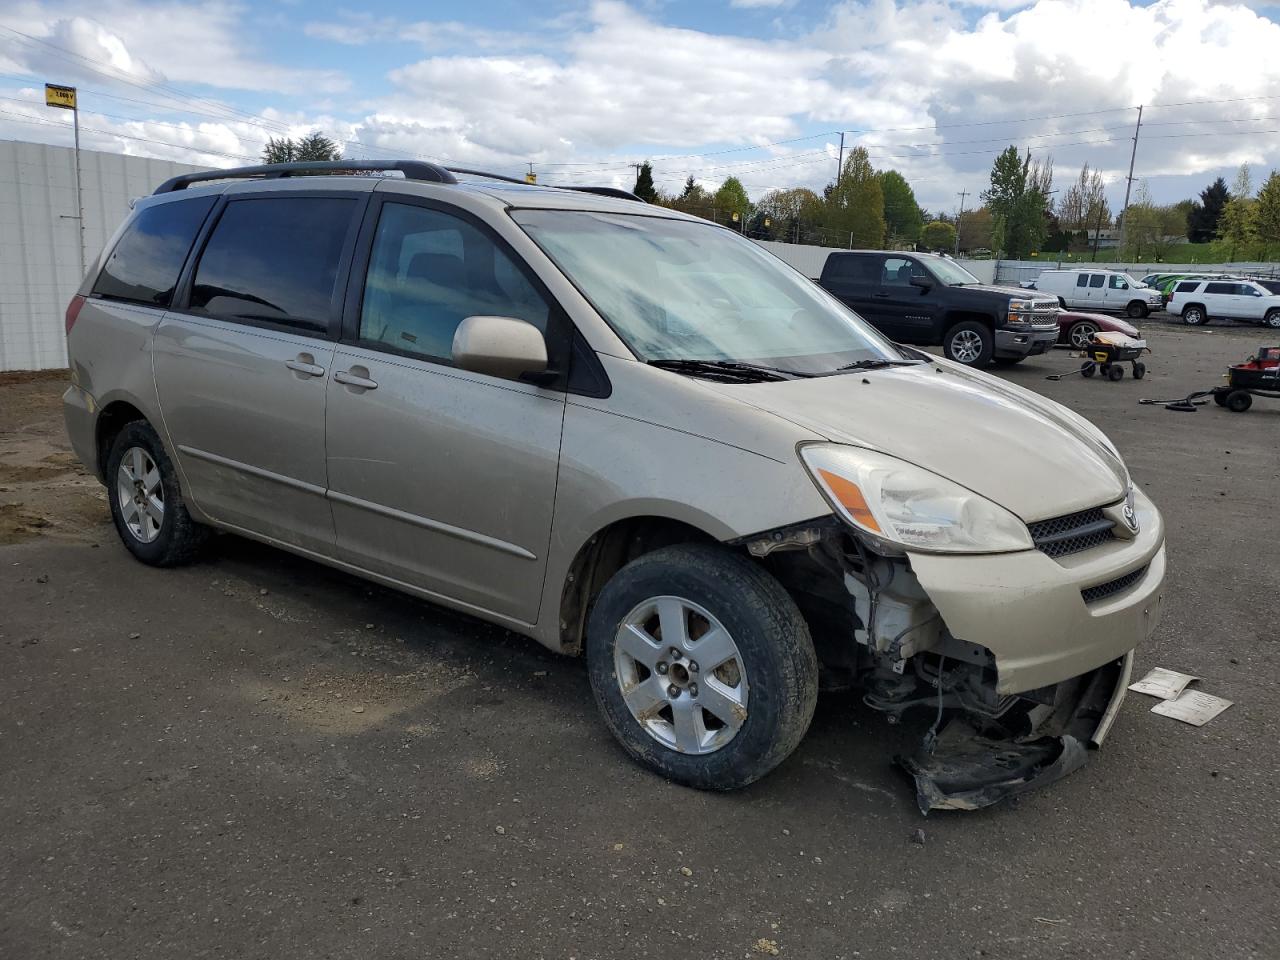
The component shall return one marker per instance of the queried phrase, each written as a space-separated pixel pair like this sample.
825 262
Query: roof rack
412 170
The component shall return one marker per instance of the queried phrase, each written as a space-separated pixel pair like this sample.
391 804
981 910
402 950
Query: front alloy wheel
702 665
681 675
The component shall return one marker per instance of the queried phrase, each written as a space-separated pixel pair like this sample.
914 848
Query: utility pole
959 216
840 161
1128 186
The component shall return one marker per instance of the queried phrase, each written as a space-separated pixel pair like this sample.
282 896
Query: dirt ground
260 757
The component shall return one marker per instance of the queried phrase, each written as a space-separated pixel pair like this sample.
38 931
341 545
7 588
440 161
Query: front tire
702 666
969 343
1238 401
1137 310
146 504
1194 316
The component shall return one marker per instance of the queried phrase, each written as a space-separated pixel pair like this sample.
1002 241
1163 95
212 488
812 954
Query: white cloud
936 88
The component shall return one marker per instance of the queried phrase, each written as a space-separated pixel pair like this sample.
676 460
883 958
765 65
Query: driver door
908 310
441 478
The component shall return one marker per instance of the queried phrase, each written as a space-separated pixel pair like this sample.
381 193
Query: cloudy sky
759 89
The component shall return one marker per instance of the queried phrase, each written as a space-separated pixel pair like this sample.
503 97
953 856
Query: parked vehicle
1269 284
933 301
1096 290
1199 301
1077 329
622 431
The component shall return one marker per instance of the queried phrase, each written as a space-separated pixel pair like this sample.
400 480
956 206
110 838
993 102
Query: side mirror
924 283
500 347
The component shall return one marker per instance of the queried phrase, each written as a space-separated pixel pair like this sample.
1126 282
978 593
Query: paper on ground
1193 707
1162 683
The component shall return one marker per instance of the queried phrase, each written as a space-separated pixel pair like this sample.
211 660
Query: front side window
144 266
898 271
429 271
1118 282
274 259
680 290
1095 280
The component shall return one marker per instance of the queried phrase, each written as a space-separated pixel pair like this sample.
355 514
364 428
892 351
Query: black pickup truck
929 300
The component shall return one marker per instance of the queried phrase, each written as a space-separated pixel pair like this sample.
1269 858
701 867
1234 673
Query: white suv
1196 301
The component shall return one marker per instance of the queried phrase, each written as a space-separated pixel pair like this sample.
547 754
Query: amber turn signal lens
851 499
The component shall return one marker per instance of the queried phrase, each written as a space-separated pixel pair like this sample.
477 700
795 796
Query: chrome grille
1073 533
1112 587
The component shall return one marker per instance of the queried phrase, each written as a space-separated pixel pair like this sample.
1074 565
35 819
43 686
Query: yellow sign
56 96
530 177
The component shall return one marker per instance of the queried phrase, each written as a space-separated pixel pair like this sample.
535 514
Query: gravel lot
259 757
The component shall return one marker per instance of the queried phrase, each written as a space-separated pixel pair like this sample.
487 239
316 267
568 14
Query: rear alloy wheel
146 504
1194 316
1137 310
1081 333
1272 319
702 666
969 343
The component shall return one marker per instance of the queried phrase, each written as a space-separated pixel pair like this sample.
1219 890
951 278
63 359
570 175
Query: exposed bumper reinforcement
967 769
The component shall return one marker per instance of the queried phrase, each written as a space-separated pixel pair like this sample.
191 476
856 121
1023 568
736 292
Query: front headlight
905 505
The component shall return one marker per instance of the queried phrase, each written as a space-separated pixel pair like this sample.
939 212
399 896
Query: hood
1019 293
1028 454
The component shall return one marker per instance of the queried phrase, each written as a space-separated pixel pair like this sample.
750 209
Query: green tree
1017 199
1202 222
693 200
976 228
1143 226
314 146
644 188
796 214
902 215
855 204
1238 226
732 205
1267 214
937 236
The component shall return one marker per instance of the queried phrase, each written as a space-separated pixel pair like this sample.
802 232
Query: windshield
949 272
675 290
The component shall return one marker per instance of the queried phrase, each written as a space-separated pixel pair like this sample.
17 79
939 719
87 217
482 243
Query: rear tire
1272 319
1238 401
1115 373
1193 315
697 593
970 343
146 504
1139 370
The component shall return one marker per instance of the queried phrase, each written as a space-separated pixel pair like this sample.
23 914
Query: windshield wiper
732 368
876 363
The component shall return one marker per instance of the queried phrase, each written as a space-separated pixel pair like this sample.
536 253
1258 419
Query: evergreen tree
1202 221
314 146
644 188
1018 200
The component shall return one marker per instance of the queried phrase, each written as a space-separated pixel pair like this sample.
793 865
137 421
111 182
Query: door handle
880 296
305 364
353 379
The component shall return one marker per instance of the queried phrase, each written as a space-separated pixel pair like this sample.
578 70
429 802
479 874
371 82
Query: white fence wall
40 240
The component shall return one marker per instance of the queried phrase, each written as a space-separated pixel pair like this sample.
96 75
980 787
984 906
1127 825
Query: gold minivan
627 433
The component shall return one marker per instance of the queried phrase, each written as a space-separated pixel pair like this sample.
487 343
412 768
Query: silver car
626 433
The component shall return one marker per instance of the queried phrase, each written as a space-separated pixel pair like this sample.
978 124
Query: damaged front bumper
966 767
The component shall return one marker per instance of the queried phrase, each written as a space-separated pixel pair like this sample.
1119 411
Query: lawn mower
1258 376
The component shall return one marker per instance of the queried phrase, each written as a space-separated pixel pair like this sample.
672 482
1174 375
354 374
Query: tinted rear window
1188 286
1228 288
145 264
274 259
858 269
